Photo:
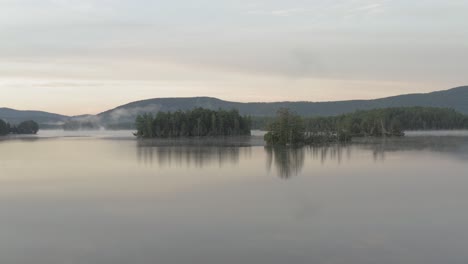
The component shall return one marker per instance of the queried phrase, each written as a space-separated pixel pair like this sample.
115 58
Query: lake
107 198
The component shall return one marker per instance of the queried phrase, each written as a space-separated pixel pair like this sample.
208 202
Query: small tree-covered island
198 122
289 128
26 127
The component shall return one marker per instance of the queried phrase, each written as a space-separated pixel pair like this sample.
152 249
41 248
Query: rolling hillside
16 116
456 98
124 116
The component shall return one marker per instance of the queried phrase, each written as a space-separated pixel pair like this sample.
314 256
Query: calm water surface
71 198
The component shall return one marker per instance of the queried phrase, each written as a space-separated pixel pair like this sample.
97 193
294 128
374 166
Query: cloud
287 12
279 12
175 45
366 8
320 12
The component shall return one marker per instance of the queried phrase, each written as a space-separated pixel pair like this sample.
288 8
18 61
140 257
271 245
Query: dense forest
198 122
287 128
290 128
378 122
26 127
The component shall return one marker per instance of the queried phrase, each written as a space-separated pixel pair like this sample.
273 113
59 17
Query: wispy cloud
279 12
287 12
254 45
367 8
345 9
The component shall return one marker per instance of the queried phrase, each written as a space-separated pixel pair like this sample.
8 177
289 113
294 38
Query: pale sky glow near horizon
84 57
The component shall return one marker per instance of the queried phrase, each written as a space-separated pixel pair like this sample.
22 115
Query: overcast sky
85 56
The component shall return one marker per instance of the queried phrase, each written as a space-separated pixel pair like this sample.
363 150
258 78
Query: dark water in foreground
112 199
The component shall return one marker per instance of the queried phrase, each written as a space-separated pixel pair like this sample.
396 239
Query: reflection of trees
24 138
288 161
197 156
198 153
455 146
328 152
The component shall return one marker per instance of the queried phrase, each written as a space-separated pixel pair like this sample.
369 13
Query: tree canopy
4 128
289 129
390 121
26 127
197 122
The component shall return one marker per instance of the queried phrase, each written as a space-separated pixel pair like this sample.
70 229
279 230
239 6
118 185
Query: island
27 127
198 122
288 128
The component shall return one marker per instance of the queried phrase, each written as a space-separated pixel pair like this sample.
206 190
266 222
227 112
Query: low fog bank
101 133
256 139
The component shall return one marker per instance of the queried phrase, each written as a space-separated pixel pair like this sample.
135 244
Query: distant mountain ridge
456 98
17 116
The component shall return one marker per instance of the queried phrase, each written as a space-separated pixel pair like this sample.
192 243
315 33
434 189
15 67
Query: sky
86 56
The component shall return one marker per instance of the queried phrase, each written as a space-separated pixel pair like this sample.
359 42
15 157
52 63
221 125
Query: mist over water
102 133
106 197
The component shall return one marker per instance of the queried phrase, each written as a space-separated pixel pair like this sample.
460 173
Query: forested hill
456 98
124 116
17 116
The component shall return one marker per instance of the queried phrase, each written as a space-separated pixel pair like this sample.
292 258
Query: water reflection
96 200
198 156
288 161
22 138
332 152
198 152
456 147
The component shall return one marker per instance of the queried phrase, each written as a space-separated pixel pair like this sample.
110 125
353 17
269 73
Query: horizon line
217 98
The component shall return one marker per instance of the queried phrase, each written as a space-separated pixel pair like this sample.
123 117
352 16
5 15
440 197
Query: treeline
197 122
80 125
289 128
27 127
411 118
384 121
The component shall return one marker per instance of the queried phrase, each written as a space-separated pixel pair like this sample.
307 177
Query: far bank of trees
27 127
73 125
390 121
289 128
195 123
4 128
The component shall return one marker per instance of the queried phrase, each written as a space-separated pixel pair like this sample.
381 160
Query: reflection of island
288 160
449 145
193 152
